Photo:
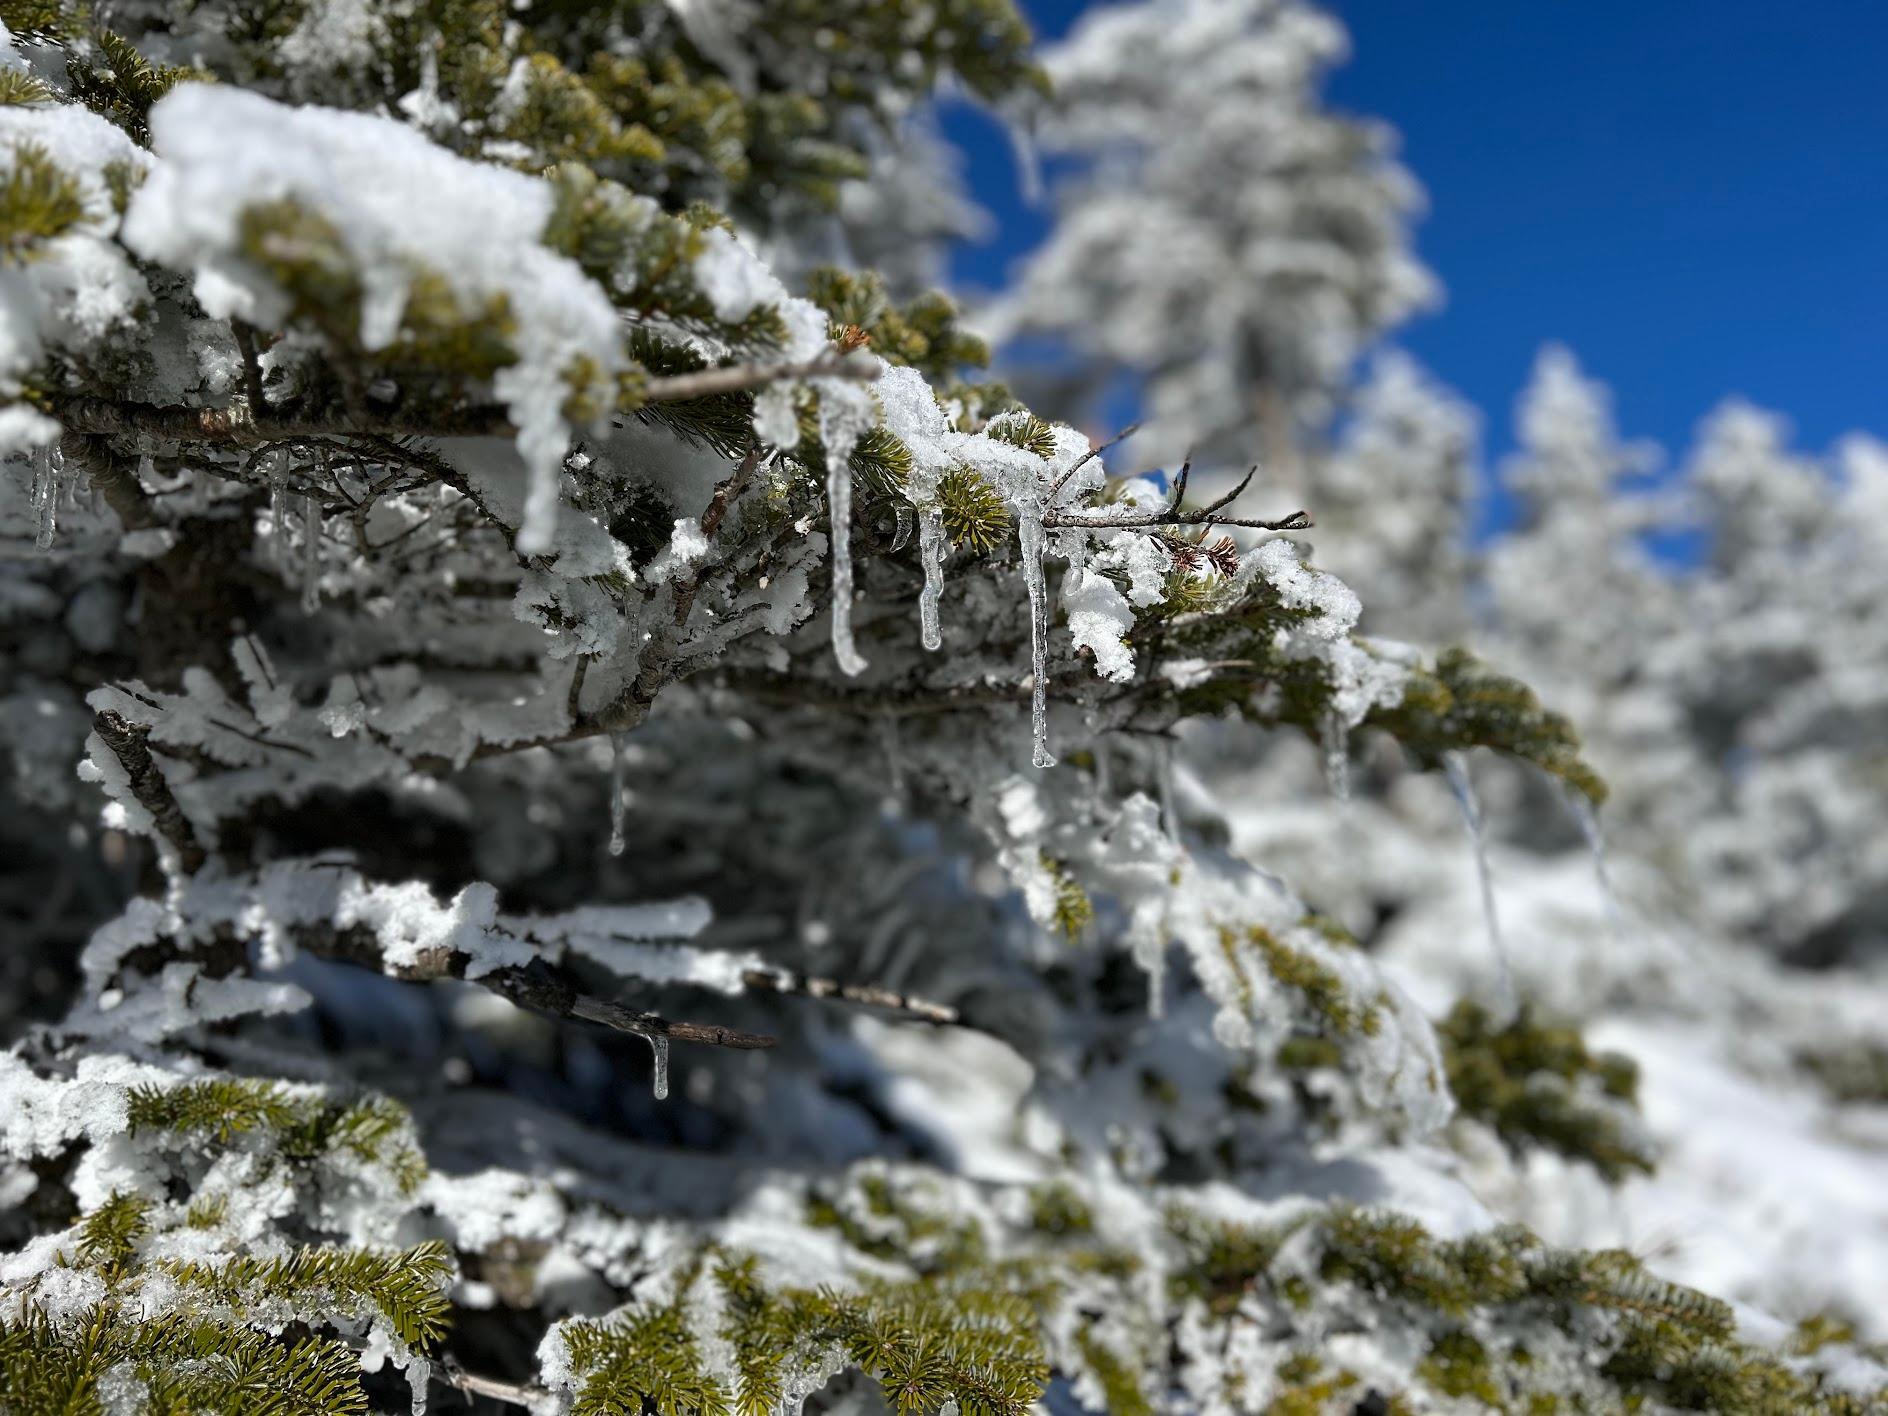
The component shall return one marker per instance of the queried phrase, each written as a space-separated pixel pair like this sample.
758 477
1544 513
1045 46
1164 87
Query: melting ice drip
1169 807
843 417
659 1045
931 553
619 809
311 555
1456 769
1580 805
1029 539
50 483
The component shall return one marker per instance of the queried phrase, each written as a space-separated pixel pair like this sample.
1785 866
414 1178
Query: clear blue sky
1692 195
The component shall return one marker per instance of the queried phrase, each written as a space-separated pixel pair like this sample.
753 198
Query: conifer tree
613 884
1225 238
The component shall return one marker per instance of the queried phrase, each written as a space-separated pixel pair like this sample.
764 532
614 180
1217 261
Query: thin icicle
1581 807
278 502
659 1044
311 555
1104 775
931 554
70 488
1152 957
1336 737
840 426
1456 769
1029 539
894 755
619 806
1169 811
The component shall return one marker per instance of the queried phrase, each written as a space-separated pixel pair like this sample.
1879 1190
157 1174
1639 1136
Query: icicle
311 555
48 469
1028 160
1104 774
619 808
1029 538
419 1380
931 554
1581 807
1072 546
839 441
1336 738
659 1044
1169 812
1152 957
278 503
1456 769
894 755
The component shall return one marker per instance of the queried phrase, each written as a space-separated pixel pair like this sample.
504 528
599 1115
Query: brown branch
127 743
538 987
113 478
1171 514
656 668
243 426
1060 482
780 981
448 1372
1297 521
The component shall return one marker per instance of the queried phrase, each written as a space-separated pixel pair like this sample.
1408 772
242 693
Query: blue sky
1692 195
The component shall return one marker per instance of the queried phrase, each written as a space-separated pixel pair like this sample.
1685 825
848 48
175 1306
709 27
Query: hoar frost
223 152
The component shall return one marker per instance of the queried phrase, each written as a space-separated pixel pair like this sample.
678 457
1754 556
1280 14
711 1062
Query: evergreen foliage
1537 1084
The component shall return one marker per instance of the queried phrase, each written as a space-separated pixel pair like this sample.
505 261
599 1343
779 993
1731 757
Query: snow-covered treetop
1223 234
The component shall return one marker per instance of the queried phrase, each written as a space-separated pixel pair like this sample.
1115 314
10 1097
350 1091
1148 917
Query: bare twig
1171 514
128 745
448 1372
1297 521
539 987
656 668
1230 497
1179 493
113 478
1060 482
248 422
780 981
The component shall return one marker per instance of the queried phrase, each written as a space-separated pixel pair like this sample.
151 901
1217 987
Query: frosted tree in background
1394 499
1744 747
1726 705
598 832
1225 238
